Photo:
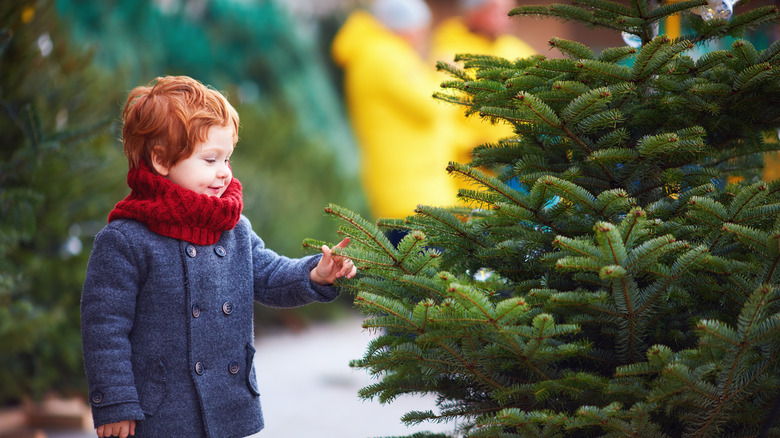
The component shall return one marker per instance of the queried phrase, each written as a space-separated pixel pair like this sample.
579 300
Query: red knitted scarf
173 211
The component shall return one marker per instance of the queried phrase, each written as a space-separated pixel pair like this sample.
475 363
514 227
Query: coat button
233 367
195 311
220 251
97 397
199 368
227 308
191 251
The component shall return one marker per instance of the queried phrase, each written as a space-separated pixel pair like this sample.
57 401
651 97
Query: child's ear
157 161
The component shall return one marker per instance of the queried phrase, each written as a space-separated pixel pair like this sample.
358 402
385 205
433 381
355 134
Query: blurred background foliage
65 69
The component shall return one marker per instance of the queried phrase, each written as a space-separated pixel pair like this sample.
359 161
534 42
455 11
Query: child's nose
224 171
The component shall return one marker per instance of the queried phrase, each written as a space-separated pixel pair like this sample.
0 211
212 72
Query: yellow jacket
452 37
401 130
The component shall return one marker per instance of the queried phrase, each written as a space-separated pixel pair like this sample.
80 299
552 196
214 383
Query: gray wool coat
167 327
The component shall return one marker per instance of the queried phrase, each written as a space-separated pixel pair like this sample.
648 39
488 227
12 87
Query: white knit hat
401 14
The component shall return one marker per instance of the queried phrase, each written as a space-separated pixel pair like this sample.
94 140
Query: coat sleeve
284 282
107 313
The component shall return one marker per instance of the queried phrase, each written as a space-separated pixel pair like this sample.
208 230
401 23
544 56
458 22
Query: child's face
207 170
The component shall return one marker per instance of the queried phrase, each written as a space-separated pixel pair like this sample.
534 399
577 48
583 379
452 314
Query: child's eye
211 160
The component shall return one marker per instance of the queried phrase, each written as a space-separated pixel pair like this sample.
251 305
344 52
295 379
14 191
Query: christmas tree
58 167
617 273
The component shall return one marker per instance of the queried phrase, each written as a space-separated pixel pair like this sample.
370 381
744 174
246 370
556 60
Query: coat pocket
251 376
155 388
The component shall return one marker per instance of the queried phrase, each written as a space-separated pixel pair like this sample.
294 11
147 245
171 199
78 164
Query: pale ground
308 389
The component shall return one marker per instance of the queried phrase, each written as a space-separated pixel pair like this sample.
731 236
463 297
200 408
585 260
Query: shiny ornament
722 9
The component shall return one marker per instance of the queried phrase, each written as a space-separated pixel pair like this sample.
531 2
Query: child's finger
346 269
343 244
326 253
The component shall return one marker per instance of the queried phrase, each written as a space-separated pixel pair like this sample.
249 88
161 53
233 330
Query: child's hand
122 429
332 267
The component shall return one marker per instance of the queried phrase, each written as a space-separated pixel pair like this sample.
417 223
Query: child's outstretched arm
332 266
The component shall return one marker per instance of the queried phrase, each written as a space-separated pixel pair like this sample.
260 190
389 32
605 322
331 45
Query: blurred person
402 132
167 303
484 28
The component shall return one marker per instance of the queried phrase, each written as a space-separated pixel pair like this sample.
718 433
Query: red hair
170 116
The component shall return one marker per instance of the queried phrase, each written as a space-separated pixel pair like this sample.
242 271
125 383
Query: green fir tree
58 167
620 275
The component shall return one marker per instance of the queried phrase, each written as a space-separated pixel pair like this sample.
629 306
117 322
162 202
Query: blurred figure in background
403 133
483 28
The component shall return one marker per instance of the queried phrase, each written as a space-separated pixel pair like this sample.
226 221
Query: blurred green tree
608 282
57 180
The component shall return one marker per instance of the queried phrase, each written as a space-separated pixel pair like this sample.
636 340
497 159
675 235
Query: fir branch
711 60
410 245
453 70
743 346
743 50
711 208
662 58
611 156
451 98
753 18
470 366
554 67
605 71
586 104
753 238
495 185
753 77
649 252
483 61
540 109
361 225
773 263
711 89
517 118
747 197
386 306
610 7
667 9
574 49
771 54
577 246
579 264
617 54
449 221
608 119
569 191
689 260
574 88
616 201
634 226
616 139
647 53
559 11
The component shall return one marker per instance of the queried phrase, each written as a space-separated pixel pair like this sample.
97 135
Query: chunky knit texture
173 211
